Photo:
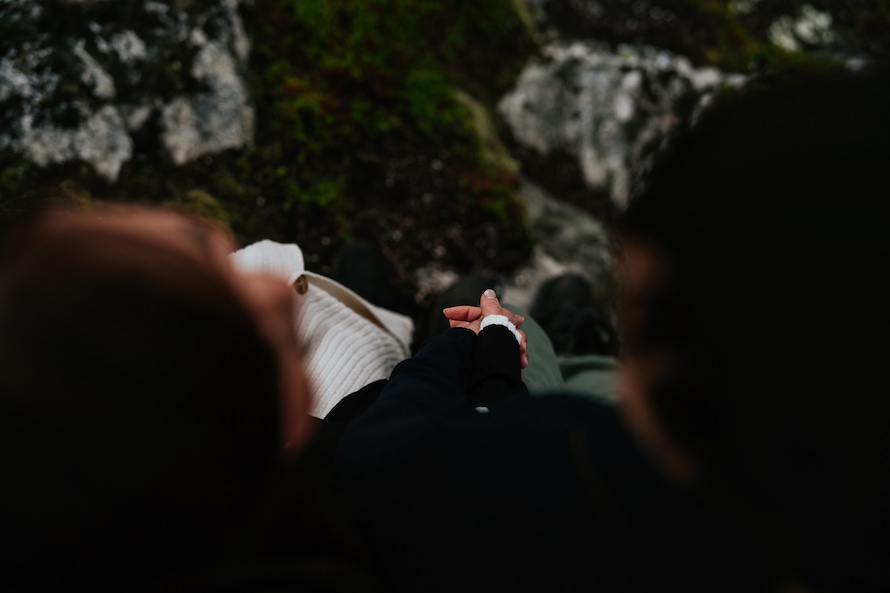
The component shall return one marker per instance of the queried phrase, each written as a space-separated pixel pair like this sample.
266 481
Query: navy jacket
525 494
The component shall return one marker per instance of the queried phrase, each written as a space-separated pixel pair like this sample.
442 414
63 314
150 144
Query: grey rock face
568 239
848 31
608 110
675 25
80 78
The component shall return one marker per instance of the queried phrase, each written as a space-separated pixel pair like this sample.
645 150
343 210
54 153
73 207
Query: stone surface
679 26
811 28
849 30
838 28
99 81
568 239
607 110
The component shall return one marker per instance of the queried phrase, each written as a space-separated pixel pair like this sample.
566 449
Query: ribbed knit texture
344 350
502 321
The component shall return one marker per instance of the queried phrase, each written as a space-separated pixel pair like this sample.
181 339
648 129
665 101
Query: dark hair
138 410
772 220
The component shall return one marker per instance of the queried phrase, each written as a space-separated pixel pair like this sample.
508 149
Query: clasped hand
470 317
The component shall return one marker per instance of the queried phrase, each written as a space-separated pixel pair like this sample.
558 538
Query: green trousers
588 375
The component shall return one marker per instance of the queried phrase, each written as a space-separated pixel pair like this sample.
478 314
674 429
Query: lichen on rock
100 140
812 27
607 110
79 78
221 118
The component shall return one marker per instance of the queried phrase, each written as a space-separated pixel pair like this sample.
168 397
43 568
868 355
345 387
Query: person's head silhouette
753 313
146 390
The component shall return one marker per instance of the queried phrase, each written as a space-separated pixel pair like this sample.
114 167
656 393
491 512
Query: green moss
202 204
13 187
731 42
362 106
493 150
525 16
75 191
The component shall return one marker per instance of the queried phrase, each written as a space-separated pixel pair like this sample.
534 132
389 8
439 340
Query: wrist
501 320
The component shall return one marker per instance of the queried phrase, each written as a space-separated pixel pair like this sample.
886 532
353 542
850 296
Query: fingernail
489 294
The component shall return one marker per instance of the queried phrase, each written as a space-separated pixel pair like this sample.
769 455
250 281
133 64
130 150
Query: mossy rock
359 134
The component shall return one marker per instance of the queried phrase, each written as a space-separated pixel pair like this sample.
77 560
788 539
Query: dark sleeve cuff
497 371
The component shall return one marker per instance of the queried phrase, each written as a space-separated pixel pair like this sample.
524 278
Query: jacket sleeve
420 391
496 369
434 377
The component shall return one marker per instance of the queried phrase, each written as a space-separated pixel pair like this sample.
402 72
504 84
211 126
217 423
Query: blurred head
145 391
753 312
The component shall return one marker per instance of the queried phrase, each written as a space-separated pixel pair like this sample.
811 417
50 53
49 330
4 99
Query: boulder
567 239
711 30
606 111
100 81
840 29
683 27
